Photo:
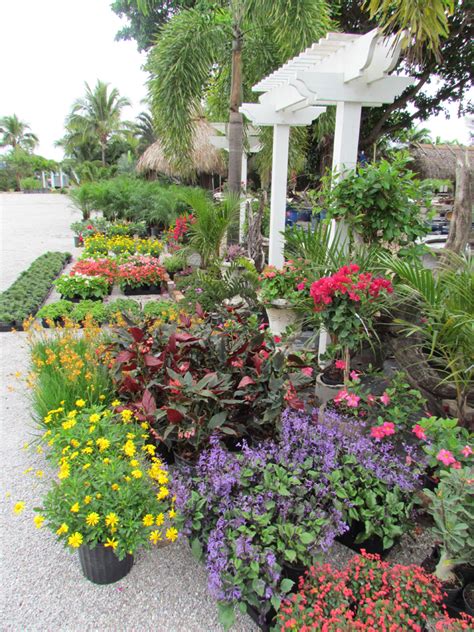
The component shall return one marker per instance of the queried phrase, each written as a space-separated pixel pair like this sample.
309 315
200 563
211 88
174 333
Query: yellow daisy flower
160 519
75 508
155 536
38 520
19 507
75 539
80 403
112 543
137 473
148 520
172 513
92 519
171 534
62 529
111 519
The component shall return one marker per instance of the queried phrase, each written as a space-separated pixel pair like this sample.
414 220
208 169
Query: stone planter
326 392
280 316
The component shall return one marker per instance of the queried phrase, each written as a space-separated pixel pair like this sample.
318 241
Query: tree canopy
14 133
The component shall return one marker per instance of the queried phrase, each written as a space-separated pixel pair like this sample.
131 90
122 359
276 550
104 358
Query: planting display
141 273
251 514
202 376
77 286
24 297
98 244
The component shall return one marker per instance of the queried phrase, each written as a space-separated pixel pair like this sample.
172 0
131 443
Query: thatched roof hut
205 158
438 161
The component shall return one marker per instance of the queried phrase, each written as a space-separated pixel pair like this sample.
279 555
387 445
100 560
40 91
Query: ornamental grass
68 363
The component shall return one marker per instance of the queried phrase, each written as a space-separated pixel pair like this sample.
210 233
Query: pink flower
276 339
307 370
352 400
377 432
341 396
263 326
456 465
371 399
301 286
446 457
419 431
389 428
340 364
354 376
466 451
385 399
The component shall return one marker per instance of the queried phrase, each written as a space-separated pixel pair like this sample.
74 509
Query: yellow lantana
103 443
75 540
171 534
92 519
129 448
148 520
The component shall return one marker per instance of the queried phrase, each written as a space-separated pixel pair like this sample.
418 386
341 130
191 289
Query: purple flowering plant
284 502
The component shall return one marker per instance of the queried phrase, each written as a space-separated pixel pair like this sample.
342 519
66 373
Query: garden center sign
349 71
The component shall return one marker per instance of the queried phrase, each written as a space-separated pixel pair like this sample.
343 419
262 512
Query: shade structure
205 157
439 161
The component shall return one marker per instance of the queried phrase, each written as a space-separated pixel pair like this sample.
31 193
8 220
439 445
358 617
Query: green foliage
14 133
56 311
212 221
82 286
452 509
24 297
122 306
441 305
445 434
94 310
174 264
380 202
30 184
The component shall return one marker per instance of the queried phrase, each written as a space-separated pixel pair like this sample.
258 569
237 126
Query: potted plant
279 291
452 509
345 304
76 287
174 263
109 500
55 313
366 594
141 275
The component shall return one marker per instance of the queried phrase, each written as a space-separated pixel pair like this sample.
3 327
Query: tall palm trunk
235 117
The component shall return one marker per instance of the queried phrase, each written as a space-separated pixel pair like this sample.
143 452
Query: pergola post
243 201
281 140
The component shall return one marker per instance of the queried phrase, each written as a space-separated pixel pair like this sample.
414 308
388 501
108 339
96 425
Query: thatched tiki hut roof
205 158
438 161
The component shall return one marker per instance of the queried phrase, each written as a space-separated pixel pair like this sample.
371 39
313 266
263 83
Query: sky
49 48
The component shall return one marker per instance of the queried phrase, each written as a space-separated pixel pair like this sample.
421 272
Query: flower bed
284 502
24 297
141 275
101 245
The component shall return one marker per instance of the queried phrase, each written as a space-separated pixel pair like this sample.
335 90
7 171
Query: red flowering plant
345 304
178 232
197 377
105 267
281 283
140 271
368 594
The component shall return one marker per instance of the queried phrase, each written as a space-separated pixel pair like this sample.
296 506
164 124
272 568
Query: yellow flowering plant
111 489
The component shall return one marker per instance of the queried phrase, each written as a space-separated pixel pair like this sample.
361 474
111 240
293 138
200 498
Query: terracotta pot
280 316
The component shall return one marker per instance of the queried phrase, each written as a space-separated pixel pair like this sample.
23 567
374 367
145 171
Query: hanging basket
100 565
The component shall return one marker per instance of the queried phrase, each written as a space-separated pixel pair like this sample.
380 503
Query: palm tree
14 133
97 115
219 53
145 131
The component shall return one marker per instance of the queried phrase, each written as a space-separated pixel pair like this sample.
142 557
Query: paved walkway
42 588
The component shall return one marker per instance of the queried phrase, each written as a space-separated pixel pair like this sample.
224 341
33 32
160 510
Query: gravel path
42 585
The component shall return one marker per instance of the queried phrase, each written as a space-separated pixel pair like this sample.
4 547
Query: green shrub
122 306
25 296
55 311
30 184
92 309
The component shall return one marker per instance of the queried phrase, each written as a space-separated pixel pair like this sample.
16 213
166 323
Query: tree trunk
235 117
460 227
102 149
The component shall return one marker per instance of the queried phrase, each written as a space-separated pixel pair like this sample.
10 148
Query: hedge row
28 292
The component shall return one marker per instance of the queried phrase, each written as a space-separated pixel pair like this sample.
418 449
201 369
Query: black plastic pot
78 299
234 444
7 326
468 597
466 573
100 565
59 322
293 572
264 623
451 594
373 545
164 453
143 290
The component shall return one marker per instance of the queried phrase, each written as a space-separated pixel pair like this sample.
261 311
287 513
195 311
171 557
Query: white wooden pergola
349 71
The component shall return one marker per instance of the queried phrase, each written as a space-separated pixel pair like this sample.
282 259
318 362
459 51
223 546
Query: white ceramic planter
326 392
280 316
